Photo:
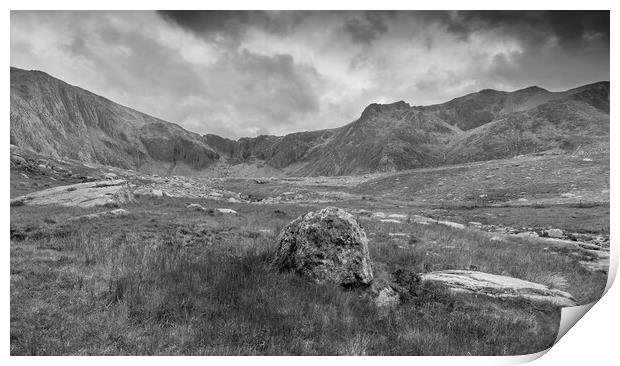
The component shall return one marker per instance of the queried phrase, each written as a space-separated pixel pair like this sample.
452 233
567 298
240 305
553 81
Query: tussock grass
165 280
433 248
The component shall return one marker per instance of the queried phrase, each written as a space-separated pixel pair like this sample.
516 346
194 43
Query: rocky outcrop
90 194
326 246
499 286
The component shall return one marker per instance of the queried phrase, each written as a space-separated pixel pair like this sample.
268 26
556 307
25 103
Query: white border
593 341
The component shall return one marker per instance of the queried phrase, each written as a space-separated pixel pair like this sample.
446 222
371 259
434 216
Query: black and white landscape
306 183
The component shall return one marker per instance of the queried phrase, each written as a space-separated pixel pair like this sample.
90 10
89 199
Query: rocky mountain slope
54 118
480 126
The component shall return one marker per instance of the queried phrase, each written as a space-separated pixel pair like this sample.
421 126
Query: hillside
51 117
480 126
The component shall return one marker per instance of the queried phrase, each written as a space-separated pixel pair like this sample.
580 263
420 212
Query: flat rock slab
90 194
428 221
499 286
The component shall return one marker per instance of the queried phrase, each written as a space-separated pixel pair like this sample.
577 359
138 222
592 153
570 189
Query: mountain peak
375 108
532 89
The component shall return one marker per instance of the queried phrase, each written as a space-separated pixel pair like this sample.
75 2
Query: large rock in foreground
326 246
499 286
102 193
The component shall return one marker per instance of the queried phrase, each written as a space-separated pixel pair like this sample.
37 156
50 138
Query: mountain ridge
53 117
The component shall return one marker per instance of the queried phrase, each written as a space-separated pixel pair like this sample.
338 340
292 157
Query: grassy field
167 280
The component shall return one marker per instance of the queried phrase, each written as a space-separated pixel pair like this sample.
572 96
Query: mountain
52 117
485 125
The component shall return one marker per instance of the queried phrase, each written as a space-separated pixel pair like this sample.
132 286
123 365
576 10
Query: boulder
326 246
498 286
554 233
18 160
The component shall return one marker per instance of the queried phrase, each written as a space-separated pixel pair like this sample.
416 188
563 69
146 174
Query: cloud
241 73
566 26
365 30
229 26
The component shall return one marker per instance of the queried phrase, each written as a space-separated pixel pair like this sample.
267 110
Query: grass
166 280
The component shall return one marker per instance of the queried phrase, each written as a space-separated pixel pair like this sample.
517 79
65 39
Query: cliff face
52 117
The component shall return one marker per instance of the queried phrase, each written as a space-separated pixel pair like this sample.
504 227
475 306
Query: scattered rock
499 286
196 206
378 215
119 212
394 221
554 233
326 246
18 160
387 298
526 235
398 235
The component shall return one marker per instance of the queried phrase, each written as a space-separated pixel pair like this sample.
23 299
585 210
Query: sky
247 73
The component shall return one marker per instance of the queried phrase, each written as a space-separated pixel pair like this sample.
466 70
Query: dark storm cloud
365 29
231 25
568 26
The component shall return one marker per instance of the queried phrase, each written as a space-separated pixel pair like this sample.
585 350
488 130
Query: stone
326 246
119 212
17 160
526 235
567 195
554 233
387 298
110 176
393 221
226 211
196 206
499 286
90 194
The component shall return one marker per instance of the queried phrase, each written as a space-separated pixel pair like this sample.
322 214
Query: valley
477 219
181 265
